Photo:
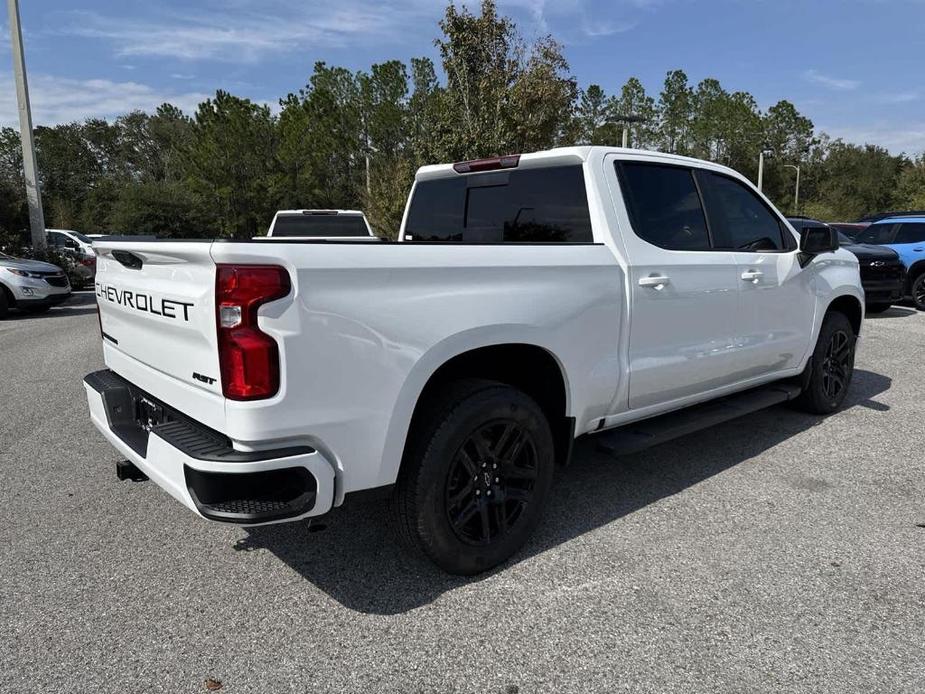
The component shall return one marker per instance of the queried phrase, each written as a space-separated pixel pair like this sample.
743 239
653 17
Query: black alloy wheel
475 477
490 482
828 373
837 365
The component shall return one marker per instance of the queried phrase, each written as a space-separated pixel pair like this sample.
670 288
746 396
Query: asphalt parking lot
776 553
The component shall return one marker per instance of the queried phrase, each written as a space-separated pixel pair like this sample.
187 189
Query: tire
464 497
831 366
878 308
918 291
4 303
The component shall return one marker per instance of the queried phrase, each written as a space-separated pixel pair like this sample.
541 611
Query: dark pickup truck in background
883 274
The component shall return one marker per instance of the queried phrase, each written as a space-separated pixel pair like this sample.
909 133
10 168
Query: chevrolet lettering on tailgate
169 308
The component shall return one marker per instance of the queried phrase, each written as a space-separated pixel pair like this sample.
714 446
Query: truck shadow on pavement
893 312
356 559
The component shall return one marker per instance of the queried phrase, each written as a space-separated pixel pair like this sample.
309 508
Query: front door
776 300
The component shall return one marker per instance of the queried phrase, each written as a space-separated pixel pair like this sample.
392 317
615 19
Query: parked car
79 248
906 236
530 299
883 274
320 224
30 285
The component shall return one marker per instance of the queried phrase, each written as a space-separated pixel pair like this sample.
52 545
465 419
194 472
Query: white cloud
565 17
248 30
907 137
906 97
60 100
836 83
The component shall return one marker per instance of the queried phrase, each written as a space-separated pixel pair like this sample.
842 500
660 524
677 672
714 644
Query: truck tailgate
157 310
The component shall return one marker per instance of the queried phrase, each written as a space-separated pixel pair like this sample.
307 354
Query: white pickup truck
329 224
530 300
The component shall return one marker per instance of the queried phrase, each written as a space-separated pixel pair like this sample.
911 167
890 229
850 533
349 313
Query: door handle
918 250
752 276
654 281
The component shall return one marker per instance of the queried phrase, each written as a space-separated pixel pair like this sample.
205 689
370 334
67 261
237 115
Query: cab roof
569 155
917 219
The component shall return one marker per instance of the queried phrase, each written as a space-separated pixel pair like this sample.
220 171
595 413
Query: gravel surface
777 553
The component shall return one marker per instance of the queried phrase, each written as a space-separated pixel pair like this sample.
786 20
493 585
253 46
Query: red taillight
88 261
494 163
248 358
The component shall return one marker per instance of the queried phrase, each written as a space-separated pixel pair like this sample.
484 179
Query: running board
638 436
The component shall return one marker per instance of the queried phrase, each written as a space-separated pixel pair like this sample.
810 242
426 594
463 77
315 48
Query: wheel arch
851 306
916 269
8 293
525 364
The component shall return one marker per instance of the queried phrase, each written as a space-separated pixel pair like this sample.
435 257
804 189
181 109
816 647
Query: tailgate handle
129 260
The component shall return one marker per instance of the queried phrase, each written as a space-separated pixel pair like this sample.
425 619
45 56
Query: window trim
619 165
790 244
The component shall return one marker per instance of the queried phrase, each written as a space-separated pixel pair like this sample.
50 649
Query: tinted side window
876 234
547 204
664 206
910 233
739 219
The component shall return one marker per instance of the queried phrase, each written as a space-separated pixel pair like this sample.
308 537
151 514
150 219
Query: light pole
796 192
626 121
366 153
761 168
30 169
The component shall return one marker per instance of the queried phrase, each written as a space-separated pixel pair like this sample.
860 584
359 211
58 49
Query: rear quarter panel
366 327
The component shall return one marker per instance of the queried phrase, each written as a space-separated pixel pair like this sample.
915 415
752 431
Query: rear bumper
199 467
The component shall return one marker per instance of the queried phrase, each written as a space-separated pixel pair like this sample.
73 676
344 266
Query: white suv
78 248
30 285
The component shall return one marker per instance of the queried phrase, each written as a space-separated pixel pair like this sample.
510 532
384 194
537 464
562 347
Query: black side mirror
818 240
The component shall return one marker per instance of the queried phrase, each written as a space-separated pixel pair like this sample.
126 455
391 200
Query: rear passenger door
683 294
776 301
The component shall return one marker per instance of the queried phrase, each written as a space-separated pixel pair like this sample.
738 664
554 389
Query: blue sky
856 67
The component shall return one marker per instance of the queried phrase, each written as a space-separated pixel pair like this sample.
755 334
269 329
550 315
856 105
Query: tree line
354 140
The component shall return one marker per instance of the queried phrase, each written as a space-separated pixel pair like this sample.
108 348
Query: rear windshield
320 225
82 238
545 205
